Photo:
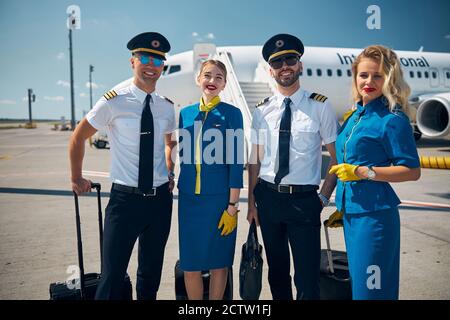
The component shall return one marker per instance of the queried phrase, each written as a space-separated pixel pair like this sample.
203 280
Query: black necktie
145 183
283 142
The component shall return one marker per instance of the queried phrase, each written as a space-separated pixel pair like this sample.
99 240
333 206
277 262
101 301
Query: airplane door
202 52
434 77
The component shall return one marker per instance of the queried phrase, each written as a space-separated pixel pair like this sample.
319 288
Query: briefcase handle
96 186
252 238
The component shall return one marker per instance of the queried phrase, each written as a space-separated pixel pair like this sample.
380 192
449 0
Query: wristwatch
371 174
234 204
325 200
171 174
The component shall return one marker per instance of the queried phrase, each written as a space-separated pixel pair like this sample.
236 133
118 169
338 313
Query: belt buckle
286 186
152 194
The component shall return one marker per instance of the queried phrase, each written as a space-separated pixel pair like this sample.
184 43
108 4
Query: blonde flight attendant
211 162
374 147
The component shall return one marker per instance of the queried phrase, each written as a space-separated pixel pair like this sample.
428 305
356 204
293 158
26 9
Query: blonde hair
395 89
217 63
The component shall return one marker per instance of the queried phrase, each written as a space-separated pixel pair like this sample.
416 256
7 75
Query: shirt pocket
128 130
161 126
304 135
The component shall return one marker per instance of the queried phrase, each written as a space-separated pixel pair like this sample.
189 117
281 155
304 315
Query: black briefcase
335 282
250 269
84 287
180 288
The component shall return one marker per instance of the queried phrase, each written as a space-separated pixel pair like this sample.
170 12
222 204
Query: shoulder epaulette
169 100
318 97
262 102
110 94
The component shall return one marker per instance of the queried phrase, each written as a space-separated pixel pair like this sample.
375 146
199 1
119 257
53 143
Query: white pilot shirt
312 123
121 118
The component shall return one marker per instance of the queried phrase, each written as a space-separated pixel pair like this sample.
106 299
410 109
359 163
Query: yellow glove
228 222
335 220
345 172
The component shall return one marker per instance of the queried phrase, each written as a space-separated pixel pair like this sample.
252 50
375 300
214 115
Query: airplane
325 70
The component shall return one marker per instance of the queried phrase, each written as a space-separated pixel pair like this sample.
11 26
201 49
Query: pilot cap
280 45
150 43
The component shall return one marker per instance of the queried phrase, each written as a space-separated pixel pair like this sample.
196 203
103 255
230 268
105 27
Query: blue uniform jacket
222 157
373 136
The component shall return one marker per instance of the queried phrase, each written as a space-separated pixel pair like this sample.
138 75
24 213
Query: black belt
289 188
134 190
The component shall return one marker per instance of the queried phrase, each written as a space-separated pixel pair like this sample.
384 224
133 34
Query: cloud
83 95
94 85
56 98
201 38
63 83
60 56
8 102
447 37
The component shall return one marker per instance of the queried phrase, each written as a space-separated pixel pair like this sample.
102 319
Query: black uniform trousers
291 219
129 217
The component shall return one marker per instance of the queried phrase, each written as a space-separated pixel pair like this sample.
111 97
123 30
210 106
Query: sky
34 43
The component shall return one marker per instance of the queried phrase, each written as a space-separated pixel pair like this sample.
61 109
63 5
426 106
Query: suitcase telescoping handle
97 186
329 252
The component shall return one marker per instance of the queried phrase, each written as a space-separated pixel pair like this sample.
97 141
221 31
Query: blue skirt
373 247
201 245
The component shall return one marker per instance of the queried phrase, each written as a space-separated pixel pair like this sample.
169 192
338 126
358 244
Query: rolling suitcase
85 287
335 282
180 288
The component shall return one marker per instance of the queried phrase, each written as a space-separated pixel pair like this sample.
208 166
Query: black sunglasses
278 63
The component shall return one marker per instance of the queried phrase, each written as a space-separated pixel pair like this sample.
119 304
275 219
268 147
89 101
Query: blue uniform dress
220 168
373 136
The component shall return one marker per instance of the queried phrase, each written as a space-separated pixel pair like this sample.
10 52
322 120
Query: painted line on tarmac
425 204
96 174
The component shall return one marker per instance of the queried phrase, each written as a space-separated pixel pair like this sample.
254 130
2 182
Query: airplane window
309 72
411 74
174 68
419 74
165 69
425 74
339 72
433 74
329 72
448 75
319 72
349 72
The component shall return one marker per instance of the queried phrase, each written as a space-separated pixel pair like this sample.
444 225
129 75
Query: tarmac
38 236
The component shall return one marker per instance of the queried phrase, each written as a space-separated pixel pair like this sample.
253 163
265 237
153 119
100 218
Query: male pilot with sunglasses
139 123
284 172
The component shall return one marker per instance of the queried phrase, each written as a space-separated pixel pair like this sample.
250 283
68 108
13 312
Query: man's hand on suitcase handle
82 185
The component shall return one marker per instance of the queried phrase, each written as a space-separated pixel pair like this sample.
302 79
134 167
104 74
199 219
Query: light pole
91 69
73 22
31 98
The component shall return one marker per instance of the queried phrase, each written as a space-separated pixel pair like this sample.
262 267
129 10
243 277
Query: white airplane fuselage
326 71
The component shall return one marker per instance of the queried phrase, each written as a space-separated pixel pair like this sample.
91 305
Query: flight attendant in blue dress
211 162
374 147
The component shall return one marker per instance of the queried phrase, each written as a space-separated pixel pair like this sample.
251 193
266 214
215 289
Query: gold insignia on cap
110 94
155 44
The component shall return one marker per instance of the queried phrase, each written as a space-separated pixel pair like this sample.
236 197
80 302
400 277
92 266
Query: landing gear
100 144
